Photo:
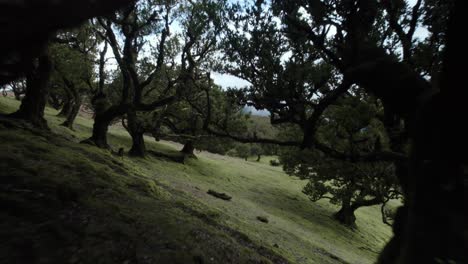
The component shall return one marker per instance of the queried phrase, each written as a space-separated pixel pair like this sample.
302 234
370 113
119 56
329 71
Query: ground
67 202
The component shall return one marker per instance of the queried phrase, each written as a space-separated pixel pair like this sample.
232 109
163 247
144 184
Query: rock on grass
219 195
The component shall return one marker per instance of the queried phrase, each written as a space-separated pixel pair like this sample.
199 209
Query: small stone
262 219
219 195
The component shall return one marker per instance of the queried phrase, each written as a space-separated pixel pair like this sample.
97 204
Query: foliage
352 127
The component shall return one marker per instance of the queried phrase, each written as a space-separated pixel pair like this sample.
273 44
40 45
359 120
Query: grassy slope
161 209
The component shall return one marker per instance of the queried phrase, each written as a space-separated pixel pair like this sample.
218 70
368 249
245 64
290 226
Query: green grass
136 195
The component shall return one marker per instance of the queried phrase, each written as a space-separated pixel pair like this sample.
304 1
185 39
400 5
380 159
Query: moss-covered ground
65 202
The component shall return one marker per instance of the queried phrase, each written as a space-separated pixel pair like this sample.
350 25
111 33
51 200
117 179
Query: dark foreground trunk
431 227
259 157
37 89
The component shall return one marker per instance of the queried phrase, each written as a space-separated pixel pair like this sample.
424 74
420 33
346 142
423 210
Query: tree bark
135 130
259 157
429 227
66 104
73 113
75 104
188 148
37 89
102 121
54 101
100 127
346 214
138 145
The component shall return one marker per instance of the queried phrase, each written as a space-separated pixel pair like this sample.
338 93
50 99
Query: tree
204 120
134 23
364 51
37 90
145 86
256 150
242 151
352 127
73 55
202 23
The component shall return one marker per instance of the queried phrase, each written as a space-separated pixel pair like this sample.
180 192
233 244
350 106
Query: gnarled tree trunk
73 113
136 131
37 89
75 104
346 215
102 121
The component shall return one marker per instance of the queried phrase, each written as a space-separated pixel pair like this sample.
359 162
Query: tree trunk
135 130
66 105
429 228
75 109
101 124
100 127
75 103
188 148
259 157
37 89
102 121
54 101
346 214
138 145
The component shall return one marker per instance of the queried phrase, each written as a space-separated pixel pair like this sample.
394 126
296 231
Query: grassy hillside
74 203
